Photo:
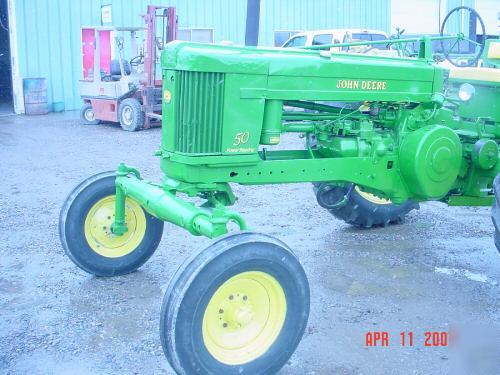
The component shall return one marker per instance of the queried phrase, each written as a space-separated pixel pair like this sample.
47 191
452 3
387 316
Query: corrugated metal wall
49 37
451 26
450 4
322 14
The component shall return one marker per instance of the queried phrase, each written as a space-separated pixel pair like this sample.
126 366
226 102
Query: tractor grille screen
198 112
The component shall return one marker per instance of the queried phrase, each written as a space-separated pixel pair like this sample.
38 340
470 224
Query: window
379 37
297 41
196 35
322 39
361 36
282 36
357 37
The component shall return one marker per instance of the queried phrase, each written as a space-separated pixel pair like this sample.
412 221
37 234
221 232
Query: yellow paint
244 317
371 197
98 233
363 85
476 74
241 149
274 140
494 50
241 138
364 107
167 96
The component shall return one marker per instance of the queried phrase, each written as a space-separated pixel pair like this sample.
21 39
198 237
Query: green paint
459 200
401 137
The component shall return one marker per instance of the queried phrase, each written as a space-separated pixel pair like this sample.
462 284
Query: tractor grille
198 112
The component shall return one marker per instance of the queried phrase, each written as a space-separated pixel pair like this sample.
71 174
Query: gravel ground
439 271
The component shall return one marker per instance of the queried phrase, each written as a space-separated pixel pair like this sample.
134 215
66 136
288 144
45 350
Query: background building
42 38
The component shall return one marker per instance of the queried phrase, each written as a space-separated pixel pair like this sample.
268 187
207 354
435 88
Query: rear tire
495 211
131 115
84 229
361 209
87 115
238 307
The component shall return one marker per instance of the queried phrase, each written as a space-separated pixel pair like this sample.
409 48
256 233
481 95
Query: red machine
127 91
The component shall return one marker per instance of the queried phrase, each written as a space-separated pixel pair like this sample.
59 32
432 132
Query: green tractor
241 305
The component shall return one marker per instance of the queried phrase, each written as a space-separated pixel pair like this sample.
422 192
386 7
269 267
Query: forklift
120 90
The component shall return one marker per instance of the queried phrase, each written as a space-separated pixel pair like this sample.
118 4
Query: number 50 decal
241 138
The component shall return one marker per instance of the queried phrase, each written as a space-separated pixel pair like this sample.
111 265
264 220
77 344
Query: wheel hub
236 311
244 317
89 114
127 115
98 231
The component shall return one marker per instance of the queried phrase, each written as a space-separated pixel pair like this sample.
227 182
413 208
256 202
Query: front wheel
85 229
238 307
358 208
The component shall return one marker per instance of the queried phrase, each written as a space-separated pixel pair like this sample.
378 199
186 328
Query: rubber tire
362 213
496 237
72 236
85 108
495 211
138 119
197 280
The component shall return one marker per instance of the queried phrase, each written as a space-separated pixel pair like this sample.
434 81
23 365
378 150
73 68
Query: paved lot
439 271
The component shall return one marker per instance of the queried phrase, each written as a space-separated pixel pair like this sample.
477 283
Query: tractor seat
493 49
476 74
491 53
115 67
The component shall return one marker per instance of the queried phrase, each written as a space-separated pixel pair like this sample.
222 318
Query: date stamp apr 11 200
407 338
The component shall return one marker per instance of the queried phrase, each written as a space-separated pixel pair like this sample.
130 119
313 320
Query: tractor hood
293 62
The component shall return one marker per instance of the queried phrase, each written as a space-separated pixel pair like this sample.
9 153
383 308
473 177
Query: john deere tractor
240 306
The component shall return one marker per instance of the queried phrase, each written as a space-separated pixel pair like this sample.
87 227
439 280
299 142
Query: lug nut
231 297
221 311
245 298
224 325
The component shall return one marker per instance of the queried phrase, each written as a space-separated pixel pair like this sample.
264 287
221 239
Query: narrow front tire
85 229
238 307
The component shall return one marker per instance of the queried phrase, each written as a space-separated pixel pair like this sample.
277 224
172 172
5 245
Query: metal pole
472 33
252 26
149 63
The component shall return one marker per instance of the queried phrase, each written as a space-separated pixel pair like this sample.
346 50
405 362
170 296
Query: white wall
426 16
418 16
489 10
17 82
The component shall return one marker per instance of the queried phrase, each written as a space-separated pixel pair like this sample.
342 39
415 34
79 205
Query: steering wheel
137 60
465 50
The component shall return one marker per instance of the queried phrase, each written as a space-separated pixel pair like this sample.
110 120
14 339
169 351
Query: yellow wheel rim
98 228
244 317
372 198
